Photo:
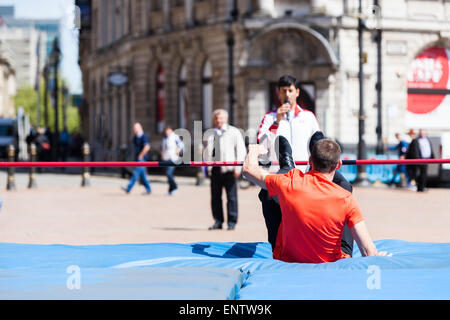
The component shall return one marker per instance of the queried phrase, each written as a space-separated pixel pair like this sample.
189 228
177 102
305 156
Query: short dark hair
287 81
325 156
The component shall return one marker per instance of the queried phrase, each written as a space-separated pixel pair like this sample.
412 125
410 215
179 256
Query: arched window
207 95
182 97
160 100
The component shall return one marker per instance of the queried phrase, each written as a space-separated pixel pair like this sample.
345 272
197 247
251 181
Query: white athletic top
298 131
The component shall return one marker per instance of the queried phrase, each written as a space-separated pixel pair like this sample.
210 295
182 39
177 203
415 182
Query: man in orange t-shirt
314 208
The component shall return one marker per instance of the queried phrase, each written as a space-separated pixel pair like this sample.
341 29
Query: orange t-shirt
314 212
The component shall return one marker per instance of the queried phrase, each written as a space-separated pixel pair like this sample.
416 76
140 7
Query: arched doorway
287 48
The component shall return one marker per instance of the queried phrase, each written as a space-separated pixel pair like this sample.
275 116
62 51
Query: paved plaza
60 211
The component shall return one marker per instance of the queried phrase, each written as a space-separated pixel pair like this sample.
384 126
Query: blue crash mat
113 284
209 270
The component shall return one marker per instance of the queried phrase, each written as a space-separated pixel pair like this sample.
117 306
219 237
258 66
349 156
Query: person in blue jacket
402 149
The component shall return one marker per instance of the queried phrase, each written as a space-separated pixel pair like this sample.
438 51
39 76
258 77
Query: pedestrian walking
171 150
142 147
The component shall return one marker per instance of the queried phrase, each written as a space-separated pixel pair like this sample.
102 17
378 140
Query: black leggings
272 215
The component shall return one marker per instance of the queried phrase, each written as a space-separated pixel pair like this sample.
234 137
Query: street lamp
379 129
361 177
230 44
55 57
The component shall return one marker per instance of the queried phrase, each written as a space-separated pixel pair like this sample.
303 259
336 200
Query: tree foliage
26 97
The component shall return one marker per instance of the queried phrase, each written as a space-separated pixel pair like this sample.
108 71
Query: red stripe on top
262 123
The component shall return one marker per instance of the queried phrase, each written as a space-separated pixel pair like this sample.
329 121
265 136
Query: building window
178 3
156 5
182 97
160 100
207 95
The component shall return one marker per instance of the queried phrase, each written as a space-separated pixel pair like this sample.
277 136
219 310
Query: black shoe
125 190
284 154
215 226
231 226
316 137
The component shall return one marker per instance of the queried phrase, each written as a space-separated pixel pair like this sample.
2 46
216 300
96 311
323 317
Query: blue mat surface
221 271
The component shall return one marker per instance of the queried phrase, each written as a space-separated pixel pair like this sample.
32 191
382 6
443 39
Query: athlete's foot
284 154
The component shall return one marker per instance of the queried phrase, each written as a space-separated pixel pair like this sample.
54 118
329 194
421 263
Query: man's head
325 156
397 136
287 89
137 129
422 133
220 117
411 133
167 131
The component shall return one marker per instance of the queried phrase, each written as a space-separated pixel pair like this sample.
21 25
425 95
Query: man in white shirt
171 147
224 143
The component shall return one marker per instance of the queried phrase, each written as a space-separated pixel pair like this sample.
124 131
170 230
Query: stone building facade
22 45
167 63
8 88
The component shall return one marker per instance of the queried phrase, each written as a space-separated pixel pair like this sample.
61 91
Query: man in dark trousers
421 148
142 147
225 143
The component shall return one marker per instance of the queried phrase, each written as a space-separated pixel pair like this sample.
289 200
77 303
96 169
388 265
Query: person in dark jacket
421 148
142 147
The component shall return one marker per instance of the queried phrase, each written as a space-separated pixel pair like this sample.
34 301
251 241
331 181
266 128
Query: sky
56 9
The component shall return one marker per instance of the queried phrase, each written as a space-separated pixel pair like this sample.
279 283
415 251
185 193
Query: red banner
429 71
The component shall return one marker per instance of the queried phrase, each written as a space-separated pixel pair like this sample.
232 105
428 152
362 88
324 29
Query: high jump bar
156 164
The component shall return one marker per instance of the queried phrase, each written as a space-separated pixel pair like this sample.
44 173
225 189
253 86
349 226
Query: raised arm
364 241
251 170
